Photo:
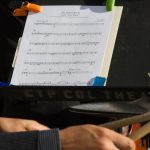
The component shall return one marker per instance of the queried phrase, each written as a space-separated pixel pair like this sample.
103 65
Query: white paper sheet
63 45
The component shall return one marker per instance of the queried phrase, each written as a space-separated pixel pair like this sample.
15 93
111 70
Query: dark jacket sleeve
35 140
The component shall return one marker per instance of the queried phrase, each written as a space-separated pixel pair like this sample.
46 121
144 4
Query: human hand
91 137
16 125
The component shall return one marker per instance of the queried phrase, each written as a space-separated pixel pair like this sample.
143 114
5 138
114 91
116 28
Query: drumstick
127 121
139 133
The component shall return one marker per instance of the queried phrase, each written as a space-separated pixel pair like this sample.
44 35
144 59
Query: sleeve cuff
49 140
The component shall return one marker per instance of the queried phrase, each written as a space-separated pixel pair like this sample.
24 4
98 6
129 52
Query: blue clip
4 84
97 81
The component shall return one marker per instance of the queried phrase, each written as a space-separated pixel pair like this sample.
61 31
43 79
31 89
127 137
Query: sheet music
63 45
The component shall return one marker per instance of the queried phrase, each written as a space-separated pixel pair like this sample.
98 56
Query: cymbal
110 108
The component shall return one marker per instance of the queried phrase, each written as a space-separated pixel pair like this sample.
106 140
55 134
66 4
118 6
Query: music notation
63 45
60 73
75 53
60 63
47 34
59 24
54 83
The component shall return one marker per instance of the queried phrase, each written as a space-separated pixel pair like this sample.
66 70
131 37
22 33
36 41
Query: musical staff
60 73
75 53
60 63
58 24
54 83
47 34
65 43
